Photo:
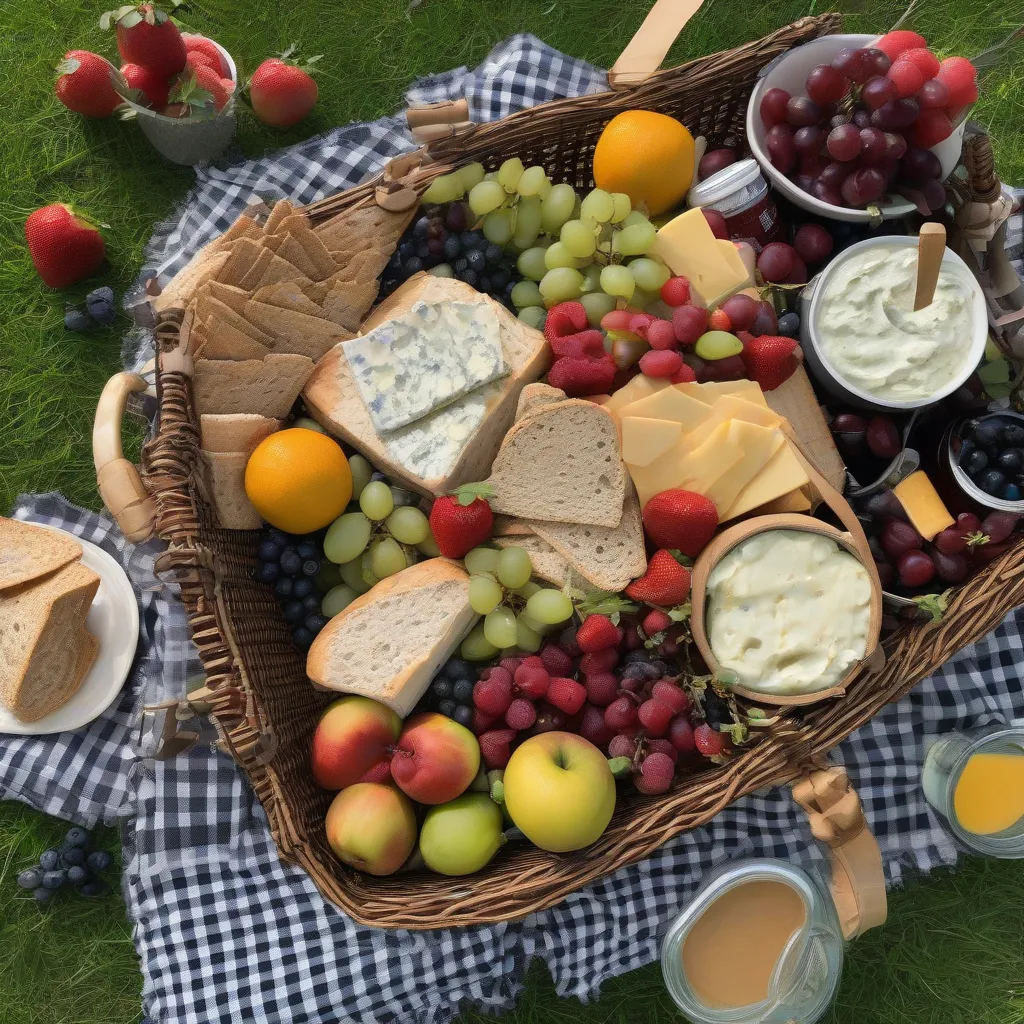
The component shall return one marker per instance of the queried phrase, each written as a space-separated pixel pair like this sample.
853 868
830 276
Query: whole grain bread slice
28 552
267 386
536 396
238 432
63 679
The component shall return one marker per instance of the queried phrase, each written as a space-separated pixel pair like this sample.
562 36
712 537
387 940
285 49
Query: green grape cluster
516 611
375 537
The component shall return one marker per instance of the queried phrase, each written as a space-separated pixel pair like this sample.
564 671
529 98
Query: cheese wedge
795 501
709 393
758 445
672 405
644 440
923 505
639 387
780 475
731 254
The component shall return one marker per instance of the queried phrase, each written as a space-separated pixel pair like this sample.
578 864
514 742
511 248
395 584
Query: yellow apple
559 791
372 827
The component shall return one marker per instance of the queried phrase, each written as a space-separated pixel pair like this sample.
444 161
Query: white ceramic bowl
830 378
790 72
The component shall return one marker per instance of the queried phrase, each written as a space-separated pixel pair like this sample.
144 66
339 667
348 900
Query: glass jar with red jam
741 195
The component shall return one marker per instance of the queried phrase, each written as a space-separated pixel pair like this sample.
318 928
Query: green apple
461 836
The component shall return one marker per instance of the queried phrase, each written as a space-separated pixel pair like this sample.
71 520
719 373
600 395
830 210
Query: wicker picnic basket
261 701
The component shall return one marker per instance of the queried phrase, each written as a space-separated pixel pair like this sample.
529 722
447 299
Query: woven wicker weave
266 709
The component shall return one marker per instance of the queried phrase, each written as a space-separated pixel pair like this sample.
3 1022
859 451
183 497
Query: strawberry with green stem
65 246
147 36
462 520
89 84
282 91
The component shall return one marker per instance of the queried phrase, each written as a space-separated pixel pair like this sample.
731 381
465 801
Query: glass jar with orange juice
975 780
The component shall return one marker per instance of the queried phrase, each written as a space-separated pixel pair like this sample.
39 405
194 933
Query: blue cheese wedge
425 360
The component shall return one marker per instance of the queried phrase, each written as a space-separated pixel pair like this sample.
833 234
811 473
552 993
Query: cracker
222 340
244 227
296 332
266 386
288 295
222 484
217 313
231 296
244 255
235 432
277 270
290 248
299 227
282 208
206 265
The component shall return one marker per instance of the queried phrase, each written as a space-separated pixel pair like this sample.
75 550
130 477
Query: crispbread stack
45 595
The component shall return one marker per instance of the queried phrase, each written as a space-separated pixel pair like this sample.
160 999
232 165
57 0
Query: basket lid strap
433 121
837 818
653 39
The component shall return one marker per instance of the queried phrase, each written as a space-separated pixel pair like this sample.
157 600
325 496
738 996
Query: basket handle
119 483
653 39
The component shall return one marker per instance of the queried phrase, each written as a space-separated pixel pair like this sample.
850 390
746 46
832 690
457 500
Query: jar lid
728 180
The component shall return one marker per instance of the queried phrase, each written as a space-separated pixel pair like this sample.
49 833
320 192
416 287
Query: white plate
114 620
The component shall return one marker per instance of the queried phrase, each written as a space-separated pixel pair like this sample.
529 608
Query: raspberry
709 741
510 665
892 44
680 735
493 695
379 772
689 323
923 59
719 321
482 721
661 363
660 335
592 727
598 662
654 717
567 641
656 621
675 291
932 127
907 78
655 774
580 377
564 319
578 346
495 747
684 375
555 660
602 689
597 633
663 746
959 74
521 714
532 678
670 694
567 695
622 745
620 714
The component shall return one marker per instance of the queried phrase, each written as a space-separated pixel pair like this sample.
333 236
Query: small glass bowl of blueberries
987 457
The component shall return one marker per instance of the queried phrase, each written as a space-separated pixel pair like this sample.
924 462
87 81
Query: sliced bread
509 526
237 432
266 386
389 643
28 552
536 396
561 464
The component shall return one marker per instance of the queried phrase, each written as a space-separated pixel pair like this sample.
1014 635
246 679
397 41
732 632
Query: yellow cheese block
781 475
639 387
737 267
669 404
687 245
923 505
795 501
662 474
709 393
758 445
644 440
710 460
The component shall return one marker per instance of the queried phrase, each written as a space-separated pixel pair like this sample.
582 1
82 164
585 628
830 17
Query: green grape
635 239
497 226
328 577
441 270
578 239
347 537
445 189
500 627
527 638
361 472
561 284
549 607
591 277
408 525
514 567
386 557
428 547
545 188
337 599
718 345
484 593
527 221
531 181
486 196
556 255
598 205
491 176
481 560
537 627
470 175
622 207
643 299
636 217
476 646
527 590
376 501
649 274
306 423
617 280
534 316
556 207
352 575
597 304
509 174
526 293
532 263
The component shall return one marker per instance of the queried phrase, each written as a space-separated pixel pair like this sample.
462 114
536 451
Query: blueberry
43 895
279 537
291 562
294 612
395 262
447 707
493 254
30 879
456 668
406 250
469 276
789 325
463 691
460 265
988 432
1013 435
477 240
452 248
73 855
311 604
268 551
315 623
49 859
302 588
413 265
78 837
992 482
55 879
95 888
485 284
976 463
1012 460
307 549
476 260
267 572
421 227
100 303
77 320
302 638
463 714
441 688
967 449
310 567
423 250
99 860
283 587
77 875
1011 493
499 279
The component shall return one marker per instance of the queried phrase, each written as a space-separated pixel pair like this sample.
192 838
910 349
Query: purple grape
844 142
825 84
872 145
895 146
934 193
456 219
919 164
896 114
802 111
839 120
827 193
809 139
781 147
880 61
857 65
862 118
878 91
950 568
864 186
933 95
834 174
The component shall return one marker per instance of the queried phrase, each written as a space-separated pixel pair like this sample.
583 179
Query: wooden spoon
931 244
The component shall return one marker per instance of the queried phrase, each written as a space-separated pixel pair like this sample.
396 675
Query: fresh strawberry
770 360
493 695
709 741
578 346
675 291
146 36
960 76
565 319
907 77
579 377
599 662
200 44
654 717
281 92
154 88
566 694
495 747
719 321
202 89
482 721
532 679
666 582
680 519
65 247
87 84
671 695
661 362
197 59
597 633
656 621
463 520
892 44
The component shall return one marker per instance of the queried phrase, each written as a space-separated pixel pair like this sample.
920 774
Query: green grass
952 951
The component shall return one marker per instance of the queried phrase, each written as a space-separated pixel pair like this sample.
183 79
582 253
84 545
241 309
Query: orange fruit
648 156
298 480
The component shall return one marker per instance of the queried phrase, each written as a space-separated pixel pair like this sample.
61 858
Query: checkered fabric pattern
227 932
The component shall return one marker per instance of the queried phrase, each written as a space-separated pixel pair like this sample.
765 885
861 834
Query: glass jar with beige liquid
760 943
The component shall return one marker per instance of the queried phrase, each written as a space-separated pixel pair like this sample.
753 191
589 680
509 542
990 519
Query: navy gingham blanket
225 930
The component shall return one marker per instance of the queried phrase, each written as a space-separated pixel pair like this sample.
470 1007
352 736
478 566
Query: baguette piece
266 386
28 552
389 643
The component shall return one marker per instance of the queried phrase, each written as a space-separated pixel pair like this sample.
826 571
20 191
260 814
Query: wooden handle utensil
931 244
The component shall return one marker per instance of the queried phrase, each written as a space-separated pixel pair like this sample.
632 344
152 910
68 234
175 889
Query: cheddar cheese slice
662 474
709 393
644 440
669 404
758 445
795 501
780 475
728 408
710 460
639 387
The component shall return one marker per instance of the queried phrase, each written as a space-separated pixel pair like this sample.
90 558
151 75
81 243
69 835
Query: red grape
857 65
918 164
896 114
878 91
864 186
844 142
967 523
885 505
827 193
825 84
997 526
891 170
765 322
714 161
802 111
835 173
872 145
773 107
897 538
862 117
730 368
811 165
813 243
776 261
880 60
804 181
781 148
741 310
895 146
951 568
933 95
839 119
883 438
680 735
915 569
809 139
886 574
798 275
950 541
934 194
850 423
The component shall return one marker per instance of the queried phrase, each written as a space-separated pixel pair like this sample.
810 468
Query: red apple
353 735
435 758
